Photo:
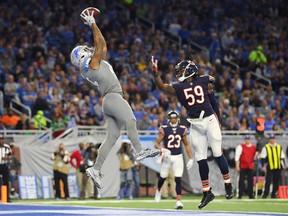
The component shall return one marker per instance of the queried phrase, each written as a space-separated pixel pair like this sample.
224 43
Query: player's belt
201 116
197 119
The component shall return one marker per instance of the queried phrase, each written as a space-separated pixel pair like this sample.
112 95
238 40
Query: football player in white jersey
172 135
94 67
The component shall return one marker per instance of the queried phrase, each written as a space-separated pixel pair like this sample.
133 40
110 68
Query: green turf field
190 203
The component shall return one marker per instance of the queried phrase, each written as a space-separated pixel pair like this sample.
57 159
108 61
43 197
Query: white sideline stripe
78 212
129 212
279 201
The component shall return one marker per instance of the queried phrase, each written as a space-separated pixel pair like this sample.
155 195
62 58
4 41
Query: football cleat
157 196
228 190
145 153
208 196
96 176
179 204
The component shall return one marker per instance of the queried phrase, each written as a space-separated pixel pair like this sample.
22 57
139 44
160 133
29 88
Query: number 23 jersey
173 137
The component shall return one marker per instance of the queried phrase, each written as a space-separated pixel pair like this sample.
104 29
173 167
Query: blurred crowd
35 66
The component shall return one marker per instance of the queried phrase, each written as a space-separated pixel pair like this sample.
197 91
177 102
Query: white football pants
204 132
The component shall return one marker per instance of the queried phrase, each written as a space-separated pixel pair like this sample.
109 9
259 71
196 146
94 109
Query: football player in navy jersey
172 135
194 93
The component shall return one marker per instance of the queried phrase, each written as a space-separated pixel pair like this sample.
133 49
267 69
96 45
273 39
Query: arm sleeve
283 165
214 104
238 152
263 156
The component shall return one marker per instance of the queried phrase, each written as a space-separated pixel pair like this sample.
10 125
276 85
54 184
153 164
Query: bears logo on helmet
185 69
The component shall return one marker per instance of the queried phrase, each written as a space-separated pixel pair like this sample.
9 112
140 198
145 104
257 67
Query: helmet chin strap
181 79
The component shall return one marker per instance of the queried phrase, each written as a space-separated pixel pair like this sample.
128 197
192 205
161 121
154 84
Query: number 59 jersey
173 137
194 96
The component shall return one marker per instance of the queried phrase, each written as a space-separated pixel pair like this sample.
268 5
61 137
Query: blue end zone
33 210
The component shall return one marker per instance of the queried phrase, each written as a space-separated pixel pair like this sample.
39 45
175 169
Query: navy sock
203 169
161 182
204 174
222 164
178 185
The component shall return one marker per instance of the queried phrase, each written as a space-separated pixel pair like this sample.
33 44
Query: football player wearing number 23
172 135
193 92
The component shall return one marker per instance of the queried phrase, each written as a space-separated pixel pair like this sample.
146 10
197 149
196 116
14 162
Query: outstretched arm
166 88
100 47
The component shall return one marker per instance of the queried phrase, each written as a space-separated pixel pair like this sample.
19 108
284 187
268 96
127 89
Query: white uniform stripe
4 151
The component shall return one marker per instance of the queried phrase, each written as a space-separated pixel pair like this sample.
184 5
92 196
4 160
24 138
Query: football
95 11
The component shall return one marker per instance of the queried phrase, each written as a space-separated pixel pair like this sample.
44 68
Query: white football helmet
81 56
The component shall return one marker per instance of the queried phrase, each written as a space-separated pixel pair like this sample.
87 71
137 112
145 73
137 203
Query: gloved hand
165 152
88 17
154 66
189 164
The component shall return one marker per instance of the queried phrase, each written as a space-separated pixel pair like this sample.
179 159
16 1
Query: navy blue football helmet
185 69
173 114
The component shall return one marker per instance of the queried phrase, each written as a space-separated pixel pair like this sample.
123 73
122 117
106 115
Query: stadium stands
35 47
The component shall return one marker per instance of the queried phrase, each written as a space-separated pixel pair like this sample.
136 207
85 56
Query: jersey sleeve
211 79
214 104
205 79
173 84
238 152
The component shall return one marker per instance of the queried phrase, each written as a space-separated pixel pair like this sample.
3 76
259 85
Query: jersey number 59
191 93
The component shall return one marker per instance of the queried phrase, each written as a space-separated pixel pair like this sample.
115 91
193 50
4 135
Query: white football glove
165 152
154 64
87 17
189 164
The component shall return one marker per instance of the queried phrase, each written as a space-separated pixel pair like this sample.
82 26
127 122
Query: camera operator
61 160
5 153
